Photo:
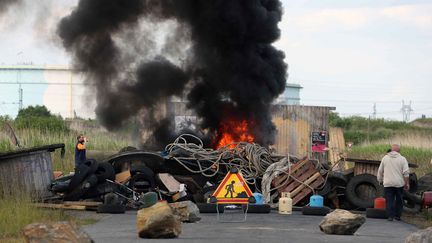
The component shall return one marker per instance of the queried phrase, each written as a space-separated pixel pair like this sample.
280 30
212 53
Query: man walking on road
393 173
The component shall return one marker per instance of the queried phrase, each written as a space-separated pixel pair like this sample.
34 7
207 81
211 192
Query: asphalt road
258 228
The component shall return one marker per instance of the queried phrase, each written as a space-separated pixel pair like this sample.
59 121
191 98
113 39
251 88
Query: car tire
413 181
318 211
376 213
104 171
137 168
92 164
78 192
99 190
210 208
81 173
325 190
257 208
355 182
139 180
111 208
59 187
411 202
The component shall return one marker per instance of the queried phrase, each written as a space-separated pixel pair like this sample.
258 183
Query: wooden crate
304 171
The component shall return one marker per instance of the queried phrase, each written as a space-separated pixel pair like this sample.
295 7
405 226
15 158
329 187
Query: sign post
319 142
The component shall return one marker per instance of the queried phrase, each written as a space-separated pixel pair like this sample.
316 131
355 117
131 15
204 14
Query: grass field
372 138
17 212
420 156
101 141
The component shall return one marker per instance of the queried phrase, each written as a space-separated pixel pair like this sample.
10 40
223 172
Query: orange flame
232 131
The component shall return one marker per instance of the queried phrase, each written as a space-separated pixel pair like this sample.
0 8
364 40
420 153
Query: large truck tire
353 194
104 171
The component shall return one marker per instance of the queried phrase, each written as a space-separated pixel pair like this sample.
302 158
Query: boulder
56 232
341 222
421 236
158 221
186 211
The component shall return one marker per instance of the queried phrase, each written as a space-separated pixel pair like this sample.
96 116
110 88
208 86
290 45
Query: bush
39 117
34 111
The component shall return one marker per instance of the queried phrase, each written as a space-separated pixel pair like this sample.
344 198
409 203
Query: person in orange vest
80 150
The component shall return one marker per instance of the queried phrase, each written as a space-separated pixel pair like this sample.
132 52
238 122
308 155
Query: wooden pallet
79 205
305 172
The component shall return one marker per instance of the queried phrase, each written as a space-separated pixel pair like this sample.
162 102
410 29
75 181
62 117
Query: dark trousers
394 203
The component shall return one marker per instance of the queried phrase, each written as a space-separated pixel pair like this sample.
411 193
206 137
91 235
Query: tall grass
420 156
103 141
17 211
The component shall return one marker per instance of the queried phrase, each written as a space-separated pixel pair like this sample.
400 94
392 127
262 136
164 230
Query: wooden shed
294 124
27 170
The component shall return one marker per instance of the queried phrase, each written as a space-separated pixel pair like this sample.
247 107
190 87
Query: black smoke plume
231 70
5 4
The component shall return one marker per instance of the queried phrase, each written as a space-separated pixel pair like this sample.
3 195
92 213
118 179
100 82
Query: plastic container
427 199
285 203
258 198
316 201
380 203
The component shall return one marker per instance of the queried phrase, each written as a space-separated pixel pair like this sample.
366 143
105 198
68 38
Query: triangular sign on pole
233 190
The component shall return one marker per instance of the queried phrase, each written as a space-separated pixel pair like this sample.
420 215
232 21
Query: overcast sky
347 54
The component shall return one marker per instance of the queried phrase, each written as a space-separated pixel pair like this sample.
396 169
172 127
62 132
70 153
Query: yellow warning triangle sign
233 189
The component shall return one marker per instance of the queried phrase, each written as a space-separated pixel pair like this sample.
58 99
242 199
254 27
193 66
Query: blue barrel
316 201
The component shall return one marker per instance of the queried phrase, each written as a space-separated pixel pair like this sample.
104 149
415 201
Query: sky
345 54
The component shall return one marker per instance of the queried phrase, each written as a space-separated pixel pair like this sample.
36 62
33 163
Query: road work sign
233 190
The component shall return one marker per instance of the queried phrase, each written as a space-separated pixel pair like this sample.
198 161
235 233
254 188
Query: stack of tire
358 183
88 181
142 178
335 186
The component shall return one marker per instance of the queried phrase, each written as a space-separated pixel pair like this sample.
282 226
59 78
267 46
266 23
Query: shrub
39 117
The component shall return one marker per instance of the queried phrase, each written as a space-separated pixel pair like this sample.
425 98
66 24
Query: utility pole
20 91
406 111
20 98
374 112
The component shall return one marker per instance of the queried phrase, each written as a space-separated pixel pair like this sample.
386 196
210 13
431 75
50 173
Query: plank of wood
82 203
278 180
59 206
290 181
307 182
306 191
170 182
302 178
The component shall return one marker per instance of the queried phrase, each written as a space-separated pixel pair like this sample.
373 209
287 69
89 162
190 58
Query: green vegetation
36 126
17 212
373 137
419 156
361 129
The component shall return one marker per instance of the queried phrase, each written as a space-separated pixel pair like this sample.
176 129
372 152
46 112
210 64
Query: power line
50 83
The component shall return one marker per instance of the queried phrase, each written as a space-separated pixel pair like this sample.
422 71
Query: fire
232 131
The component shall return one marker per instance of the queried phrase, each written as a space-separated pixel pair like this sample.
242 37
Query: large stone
186 211
421 236
57 232
341 222
158 221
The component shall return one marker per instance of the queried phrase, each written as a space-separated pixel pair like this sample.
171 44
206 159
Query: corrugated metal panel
30 172
336 145
294 123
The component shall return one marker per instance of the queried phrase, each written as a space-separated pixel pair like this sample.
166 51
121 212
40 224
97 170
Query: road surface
258 228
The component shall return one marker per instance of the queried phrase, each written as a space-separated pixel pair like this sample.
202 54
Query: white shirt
392 170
